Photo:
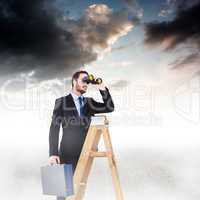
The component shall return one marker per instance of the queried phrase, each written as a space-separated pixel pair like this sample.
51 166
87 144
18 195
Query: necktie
81 106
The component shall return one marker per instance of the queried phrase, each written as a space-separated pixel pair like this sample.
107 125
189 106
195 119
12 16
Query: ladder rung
82 183
100 154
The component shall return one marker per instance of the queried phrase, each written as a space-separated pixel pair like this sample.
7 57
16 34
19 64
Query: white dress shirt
76 101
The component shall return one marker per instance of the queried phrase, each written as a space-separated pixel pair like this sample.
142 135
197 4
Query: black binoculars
90 79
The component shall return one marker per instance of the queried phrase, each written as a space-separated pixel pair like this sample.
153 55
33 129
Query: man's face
81 86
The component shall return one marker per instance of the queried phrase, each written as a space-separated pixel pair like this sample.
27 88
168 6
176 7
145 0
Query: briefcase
57 180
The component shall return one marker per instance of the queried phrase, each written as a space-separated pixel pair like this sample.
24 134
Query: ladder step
100 154
82 183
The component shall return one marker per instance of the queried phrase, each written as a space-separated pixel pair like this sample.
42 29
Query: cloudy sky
146 52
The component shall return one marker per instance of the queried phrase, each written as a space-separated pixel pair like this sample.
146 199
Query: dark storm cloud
172 6
184 29
31 39
37 37
182 62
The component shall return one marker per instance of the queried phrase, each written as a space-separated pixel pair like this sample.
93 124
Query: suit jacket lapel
85 108
70 105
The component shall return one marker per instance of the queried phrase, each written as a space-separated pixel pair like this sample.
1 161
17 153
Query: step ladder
98 127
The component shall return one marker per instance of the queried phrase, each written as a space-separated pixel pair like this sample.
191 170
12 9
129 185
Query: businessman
74 112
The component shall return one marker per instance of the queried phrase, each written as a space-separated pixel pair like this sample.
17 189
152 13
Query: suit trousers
74 164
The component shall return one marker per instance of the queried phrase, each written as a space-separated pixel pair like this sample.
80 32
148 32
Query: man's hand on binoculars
101 86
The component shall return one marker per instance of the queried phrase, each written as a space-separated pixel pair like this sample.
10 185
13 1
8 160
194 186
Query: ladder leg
112 164
85 163
84 156
82 186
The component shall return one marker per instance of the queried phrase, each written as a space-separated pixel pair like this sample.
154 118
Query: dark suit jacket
74 127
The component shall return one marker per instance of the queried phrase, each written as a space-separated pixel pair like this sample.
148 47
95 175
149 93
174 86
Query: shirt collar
75 96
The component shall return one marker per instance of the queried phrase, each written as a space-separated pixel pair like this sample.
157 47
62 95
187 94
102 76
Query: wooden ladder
98 127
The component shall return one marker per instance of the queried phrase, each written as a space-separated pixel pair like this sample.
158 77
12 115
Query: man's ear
74 82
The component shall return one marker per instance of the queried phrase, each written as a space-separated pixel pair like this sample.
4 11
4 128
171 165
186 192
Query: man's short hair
76 75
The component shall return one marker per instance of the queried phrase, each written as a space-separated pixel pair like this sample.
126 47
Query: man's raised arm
99 107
